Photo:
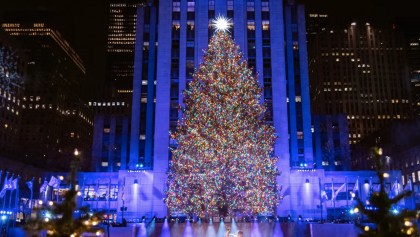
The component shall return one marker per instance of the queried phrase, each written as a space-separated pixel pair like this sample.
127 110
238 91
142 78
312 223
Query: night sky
83 22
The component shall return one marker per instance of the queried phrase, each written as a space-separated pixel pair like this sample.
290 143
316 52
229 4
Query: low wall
294 229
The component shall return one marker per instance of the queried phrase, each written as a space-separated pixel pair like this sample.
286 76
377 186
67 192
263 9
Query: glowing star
221 23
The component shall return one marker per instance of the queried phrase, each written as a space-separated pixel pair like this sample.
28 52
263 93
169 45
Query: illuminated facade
362 72
276 49
120 48
272 37
12 73
54 119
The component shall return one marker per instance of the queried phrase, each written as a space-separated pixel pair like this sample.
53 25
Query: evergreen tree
386 222
224 161
64 219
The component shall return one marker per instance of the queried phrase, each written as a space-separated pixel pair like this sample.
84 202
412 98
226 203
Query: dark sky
83 22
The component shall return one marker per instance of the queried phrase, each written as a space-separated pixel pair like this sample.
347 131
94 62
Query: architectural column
136 100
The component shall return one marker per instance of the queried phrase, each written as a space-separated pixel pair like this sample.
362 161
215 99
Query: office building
360 71
331 142
121 39
54 119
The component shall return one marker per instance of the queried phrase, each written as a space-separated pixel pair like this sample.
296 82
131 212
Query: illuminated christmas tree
386 221
224 161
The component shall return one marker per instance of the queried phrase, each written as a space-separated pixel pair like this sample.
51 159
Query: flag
44 186
5 187
356 186
355 189
408 186
324 196
370 187
338 191
54 182
30 184
14 184
395 189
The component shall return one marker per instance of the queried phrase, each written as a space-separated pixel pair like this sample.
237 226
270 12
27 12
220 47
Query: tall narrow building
360 71
165 58
120 49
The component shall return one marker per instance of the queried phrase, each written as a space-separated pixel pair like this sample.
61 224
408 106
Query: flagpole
16 201
4 197
347 194
32 193
109 200
320 197
332 180
10 195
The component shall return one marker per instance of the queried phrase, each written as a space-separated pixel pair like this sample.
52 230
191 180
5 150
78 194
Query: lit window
176 6
191 6
265 25
251 25
299 135
107 130
72 134
104 164
413 176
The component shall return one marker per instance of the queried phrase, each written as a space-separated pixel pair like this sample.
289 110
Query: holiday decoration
224 163
64 219
382 210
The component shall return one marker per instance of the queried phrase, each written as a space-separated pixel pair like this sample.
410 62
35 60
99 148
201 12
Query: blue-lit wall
272 38
166 56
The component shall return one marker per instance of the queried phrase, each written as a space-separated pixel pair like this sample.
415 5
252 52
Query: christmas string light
224 161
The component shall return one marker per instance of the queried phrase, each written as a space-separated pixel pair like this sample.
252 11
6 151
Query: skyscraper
360 71
170 38
12 74
120 49
54 119
165 58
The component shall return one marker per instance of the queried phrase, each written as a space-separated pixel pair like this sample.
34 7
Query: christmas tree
379 211
224 161
65 219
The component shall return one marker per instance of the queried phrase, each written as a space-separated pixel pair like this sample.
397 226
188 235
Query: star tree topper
221 23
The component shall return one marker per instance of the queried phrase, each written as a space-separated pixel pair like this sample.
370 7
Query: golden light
408 223
356 210
386 175
98 233
366 228
40 202
46 219
410 231
76 152
50 203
